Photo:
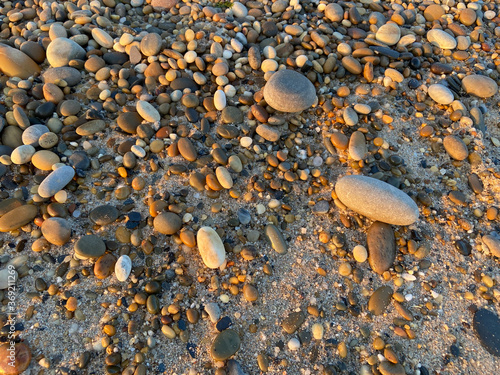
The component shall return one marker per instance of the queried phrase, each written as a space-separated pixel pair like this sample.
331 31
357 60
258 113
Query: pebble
15 63
388 34
455 147
224 177
269 133
293 344
357 146
56 230
104 266
293 322
289 91
89 246
493 244
123 267
187 149
381 247
225 345
388 368
486 325
22 154
276 239
211 248
334 12
7 277
479 85
220 100
360 253
376 200
167 223
104 215
32 134
18 217
442 39
147 111
22 358
56 181
62 50
102 38
441 94
379 300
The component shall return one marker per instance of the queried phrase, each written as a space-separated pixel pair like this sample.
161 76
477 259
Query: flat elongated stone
379 300
289 91
455 147
479 85
381 247
211 248
89 246
123 267
276 239
18 217
15 63
103 215
376 200
441 38
441 94
9 204
56 181
91 127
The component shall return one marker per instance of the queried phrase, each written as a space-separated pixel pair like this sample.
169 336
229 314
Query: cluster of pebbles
299 187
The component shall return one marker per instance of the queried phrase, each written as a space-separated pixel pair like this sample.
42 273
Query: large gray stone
56 181
289 91
62 50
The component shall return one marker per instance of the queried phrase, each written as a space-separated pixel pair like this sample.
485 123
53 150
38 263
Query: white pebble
293 344
246 142
317 331
360 253
220 100
138 151
123 267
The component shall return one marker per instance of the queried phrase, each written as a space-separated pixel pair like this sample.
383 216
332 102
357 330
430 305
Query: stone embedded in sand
89 246
56 181
376 200
455 147
289 91
357 146
379 300
103 215
15 63
225 345
62 50
104 266
56 230
493 244
211 248
381 247
487 327
167 223
276 239
479 85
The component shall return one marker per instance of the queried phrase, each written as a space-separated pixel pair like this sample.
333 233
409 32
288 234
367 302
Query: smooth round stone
239 10
388 368
62 50
21 360
184 83
187 150
147 111
102 38
381 247
104 266
289 91
22 154
339 140
455 147
9 204
357 146
468 16
352 65
293 344
220 100
68 74
441 94
360 253
350 116
334 12
276 239
231 115
18 217
89 246
123 267
433 12
441 38
376 200
235 164
56 181
32 134
129 121
487 327
103 215
56 230
379 300
493 244
211 248
389 34
244 216
224 177
269 133
70 107
151 44
167 223
91 127
479 85
15 63
225 345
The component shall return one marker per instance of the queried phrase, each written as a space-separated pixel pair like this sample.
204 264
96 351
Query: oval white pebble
220 100
360 253
211 248
123 267
293 344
